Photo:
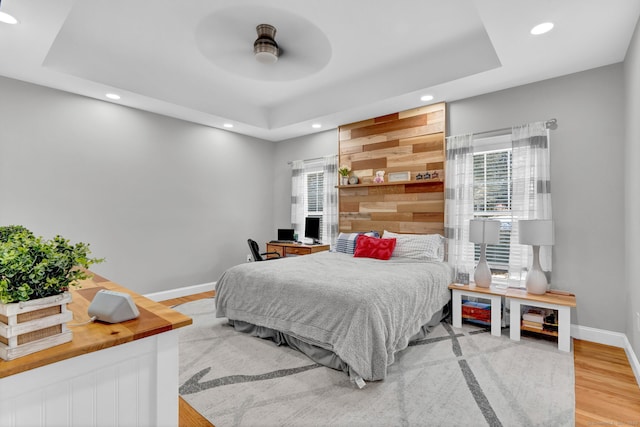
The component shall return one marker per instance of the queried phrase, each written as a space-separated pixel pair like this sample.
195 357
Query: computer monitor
312 228
286 234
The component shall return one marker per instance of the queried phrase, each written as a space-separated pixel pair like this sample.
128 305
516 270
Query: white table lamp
484 232
536 232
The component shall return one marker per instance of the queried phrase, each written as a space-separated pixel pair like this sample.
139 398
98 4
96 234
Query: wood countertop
154 319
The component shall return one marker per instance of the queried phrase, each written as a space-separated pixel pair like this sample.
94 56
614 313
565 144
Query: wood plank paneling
390 126
387 118
381 145
434 187
409 141
379 163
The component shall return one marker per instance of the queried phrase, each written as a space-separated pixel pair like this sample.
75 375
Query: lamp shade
484 231
536 232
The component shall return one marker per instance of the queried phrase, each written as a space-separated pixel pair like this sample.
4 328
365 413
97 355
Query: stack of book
476 312
540 319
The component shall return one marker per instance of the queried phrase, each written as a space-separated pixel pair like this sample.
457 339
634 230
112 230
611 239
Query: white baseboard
181 292
615 339
633 360
600 336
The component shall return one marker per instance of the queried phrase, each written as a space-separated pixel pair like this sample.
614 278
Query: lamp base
536 279
536 282
482 276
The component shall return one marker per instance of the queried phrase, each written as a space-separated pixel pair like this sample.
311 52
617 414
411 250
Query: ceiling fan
225 38
265 48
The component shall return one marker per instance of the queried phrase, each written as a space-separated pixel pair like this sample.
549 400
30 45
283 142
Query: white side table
562 302
493 294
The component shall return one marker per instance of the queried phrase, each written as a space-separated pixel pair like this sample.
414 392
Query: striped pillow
346 242
428 247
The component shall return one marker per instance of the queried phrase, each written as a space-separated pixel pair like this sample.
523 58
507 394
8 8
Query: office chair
255 252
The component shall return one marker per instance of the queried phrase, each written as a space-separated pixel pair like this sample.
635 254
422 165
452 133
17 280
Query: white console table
109 374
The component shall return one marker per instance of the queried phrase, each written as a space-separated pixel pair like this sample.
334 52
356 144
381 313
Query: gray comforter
364 310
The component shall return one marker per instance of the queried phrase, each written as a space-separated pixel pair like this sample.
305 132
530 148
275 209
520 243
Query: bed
349 313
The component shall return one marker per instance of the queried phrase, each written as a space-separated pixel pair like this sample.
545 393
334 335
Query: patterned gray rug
457 377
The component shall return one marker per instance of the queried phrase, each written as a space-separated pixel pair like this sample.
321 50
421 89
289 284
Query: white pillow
428 247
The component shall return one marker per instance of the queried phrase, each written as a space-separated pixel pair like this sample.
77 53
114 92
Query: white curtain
459 204
531 197
330 202
299 169
297 196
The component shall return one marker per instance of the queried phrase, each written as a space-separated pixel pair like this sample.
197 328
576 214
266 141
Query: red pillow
372 247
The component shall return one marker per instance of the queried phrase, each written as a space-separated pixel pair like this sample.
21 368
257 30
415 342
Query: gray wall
632 190
587 179
167 202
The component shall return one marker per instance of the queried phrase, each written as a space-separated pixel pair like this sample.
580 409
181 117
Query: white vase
482 276
344 180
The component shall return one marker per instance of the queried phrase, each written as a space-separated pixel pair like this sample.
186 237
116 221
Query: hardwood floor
606 389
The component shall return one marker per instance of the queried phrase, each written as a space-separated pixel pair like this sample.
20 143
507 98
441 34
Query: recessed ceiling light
228 125
316 125
545 27
113 96
426 98
7 19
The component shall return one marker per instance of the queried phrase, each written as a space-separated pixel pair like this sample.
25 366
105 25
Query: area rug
457 377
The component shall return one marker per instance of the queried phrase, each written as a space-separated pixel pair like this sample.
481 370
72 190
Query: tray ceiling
341 61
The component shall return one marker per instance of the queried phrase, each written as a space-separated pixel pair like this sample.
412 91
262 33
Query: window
314 194
314 197
492 190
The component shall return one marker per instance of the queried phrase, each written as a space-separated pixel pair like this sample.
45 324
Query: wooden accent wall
409 141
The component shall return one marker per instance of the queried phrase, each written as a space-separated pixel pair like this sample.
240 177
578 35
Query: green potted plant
35 276
32 267
344 174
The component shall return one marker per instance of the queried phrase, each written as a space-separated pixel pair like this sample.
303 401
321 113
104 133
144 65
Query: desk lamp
536 232
484 232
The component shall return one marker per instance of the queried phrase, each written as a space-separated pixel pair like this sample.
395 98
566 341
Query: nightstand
493 294
561 302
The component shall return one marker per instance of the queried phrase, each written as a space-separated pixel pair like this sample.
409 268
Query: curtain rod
549 124
315 159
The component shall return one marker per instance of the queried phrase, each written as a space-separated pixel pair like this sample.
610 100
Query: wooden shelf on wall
383 184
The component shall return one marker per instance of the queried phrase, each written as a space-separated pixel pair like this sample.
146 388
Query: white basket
30 326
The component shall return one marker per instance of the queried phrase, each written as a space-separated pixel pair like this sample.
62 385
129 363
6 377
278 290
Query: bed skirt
323 356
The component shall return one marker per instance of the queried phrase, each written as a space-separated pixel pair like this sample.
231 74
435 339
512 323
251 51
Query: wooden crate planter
30 326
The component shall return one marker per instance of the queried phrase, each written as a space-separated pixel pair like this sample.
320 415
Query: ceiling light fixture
228 125
545 27
6 18
113 96
426 98
316 125
265 48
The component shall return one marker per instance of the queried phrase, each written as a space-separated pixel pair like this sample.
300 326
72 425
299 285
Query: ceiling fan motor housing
265 47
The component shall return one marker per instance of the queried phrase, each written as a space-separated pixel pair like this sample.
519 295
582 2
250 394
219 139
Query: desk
289 249
113 374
